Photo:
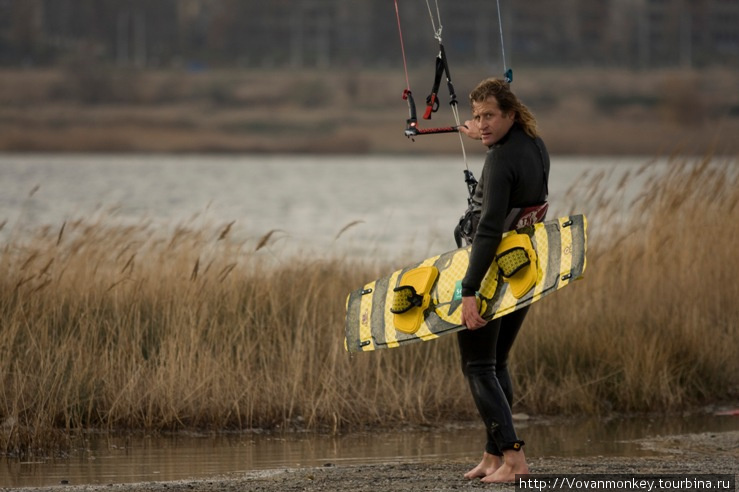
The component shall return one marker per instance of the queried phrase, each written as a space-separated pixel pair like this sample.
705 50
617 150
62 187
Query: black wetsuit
515 175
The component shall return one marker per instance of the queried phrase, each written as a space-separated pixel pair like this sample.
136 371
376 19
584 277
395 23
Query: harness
517 217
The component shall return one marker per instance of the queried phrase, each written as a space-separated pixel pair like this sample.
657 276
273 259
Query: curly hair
507 101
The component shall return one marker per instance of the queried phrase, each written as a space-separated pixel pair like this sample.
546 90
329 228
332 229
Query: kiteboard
424 301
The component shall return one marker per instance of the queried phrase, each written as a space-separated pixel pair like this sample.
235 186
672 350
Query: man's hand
471 129
471 314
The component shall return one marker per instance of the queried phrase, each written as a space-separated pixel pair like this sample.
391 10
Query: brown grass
106 326
653 326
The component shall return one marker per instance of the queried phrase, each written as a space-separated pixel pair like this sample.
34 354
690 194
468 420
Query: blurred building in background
340 33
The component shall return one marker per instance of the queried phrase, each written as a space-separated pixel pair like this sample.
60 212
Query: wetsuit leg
509 328
480 350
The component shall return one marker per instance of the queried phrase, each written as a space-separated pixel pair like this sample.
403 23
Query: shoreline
580 112
707 453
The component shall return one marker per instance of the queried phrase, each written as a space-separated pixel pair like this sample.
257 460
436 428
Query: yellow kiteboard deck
551 252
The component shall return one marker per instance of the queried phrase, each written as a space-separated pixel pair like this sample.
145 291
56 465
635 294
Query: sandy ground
684 455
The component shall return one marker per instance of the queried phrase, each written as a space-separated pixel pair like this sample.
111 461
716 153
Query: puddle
110 460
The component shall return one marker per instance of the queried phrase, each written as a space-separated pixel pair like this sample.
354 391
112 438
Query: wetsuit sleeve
499 181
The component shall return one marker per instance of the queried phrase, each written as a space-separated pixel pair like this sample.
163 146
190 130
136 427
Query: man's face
491 121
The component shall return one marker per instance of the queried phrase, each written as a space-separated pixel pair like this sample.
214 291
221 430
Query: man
514 178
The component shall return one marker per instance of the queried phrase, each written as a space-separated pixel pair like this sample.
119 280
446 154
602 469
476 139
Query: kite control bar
411 127
432 101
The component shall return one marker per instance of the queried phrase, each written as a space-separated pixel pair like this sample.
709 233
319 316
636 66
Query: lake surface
144 459
407 203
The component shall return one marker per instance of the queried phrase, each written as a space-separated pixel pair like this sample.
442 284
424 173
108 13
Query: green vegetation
108 326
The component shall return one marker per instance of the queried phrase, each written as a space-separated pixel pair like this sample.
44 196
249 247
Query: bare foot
514 464
487 466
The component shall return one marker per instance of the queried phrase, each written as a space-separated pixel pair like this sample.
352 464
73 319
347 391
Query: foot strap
412 297
517 263
405 299
512 260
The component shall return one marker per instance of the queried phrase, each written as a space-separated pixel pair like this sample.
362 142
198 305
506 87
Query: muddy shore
680 455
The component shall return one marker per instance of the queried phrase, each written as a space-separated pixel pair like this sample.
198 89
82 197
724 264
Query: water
144 459
402 203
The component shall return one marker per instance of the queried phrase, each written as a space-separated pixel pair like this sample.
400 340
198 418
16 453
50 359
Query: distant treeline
336 33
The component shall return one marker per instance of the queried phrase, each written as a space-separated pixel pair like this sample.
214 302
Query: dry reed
113 327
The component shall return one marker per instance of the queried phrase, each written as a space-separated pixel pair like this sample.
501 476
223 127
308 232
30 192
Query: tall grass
654 324
106 326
